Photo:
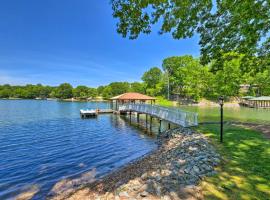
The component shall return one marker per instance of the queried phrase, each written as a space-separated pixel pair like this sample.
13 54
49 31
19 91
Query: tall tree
227 81
173 66
64 91
223 26
152 77
137 87
80 91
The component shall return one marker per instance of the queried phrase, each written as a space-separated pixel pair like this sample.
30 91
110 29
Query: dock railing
174 115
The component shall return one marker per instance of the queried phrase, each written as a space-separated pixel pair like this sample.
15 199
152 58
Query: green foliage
187 76
138 87
28 92
231 26
153 80
80 91
227 81
152 77
261 83
164 102
118 88
64 91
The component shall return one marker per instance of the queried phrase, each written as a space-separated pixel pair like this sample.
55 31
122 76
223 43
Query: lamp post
221 103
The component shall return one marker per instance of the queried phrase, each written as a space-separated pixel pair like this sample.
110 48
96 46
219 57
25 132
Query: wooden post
146 116
169 125
129 116
138 117
151 123
159 129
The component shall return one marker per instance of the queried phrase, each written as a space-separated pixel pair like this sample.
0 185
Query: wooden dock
90 113
172 115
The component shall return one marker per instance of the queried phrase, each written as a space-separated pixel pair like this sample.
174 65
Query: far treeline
232 75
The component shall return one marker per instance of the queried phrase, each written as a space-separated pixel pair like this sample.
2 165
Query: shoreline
172 171
55 99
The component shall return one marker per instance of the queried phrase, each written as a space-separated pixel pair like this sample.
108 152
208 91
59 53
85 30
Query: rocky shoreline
173 171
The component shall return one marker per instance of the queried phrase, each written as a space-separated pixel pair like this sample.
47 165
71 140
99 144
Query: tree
118 88
173 66
80 91
64 91
92 92
138 87
261 83
196 79
152 77
100 90
231 26
5 93
227 81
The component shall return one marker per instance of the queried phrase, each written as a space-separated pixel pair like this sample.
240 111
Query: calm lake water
44 142
239 114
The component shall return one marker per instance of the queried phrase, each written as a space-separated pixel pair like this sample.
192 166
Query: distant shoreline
201 104
56 99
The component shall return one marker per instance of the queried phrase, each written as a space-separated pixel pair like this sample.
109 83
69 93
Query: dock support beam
146 121
138 117
159 129
129 116
151 118
169 125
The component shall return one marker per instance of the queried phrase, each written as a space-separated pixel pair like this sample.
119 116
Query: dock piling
146 121
159 129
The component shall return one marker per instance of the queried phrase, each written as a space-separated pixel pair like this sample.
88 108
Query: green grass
244 172
164 102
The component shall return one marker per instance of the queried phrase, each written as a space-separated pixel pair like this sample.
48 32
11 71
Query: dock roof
264 98
132 96
248 97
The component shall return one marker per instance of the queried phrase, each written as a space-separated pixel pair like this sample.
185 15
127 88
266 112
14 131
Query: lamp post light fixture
221 103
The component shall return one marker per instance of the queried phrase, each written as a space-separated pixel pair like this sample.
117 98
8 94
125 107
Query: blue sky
52 42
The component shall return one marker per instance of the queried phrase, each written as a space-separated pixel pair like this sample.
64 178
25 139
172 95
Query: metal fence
174 115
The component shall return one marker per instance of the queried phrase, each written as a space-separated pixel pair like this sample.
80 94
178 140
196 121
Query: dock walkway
174 115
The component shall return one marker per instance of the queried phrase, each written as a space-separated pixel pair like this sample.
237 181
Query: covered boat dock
138 104
256 102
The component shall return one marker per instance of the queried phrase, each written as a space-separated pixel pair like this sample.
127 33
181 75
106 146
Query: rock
196 169
144 194
158 177
183 159
144 176
166 197
123 194
143 187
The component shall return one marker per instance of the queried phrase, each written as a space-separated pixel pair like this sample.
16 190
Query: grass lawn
245 170
164 102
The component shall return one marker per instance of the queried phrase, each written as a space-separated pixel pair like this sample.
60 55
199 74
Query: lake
44 142
236 114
